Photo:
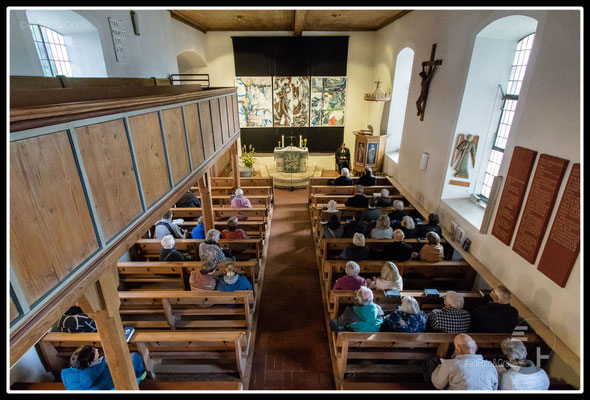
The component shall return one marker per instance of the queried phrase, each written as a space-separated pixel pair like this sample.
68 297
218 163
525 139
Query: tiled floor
291 350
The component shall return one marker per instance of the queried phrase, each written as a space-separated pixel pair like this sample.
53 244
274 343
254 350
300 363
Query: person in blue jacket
232 281
198 231
88 371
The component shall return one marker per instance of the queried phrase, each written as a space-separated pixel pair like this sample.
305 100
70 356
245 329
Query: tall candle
283 140
300 140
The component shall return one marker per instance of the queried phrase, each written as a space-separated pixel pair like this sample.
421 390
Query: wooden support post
235 164
206 201
101 302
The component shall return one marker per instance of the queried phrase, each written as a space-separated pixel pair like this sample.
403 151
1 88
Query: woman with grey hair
357 249
352 280
382 229
344 179
432 251
239 200
518 373
209 250
408 226
383 200
329 210
408 318
451 318
232 231
169 252
364 316
389 279
398 212
204 279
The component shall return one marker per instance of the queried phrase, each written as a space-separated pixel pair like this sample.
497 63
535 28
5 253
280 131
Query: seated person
364 316
209 250
367 179
352 280
232 281
408 226
232 231
88 371
495 317
384 200
239 200
431 226
165 226
432 251
467 371
382 229
518 373
198 231
188 200
398 212
356 250
357 225
398 250
389 279
75 320
358 200
408 318
331 209
169 252
451 318
204 279
333 229
372 212
344 179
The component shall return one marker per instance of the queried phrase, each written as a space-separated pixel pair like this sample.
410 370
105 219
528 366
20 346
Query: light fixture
377 94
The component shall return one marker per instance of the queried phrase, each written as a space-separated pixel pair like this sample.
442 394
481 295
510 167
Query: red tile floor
291 350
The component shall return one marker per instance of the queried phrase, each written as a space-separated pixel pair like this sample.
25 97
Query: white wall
548 121
23 55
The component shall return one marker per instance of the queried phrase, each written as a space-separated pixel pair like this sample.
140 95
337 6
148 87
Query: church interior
218 199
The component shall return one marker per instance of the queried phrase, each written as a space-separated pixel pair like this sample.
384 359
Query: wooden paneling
231 116
176 143
250 20
236 113
150 156
51 231
109 167
224 118
193 129
216 122
13 311
206 127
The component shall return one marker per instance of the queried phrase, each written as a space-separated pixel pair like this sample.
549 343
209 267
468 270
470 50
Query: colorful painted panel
328 98
255 102
291 101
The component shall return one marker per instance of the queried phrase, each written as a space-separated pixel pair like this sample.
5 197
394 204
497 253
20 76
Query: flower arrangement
304 143
248 156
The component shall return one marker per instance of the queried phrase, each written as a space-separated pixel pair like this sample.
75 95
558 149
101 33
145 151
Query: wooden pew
149 249
229 190
254 228
323 180
332 245
392 346
146 384
222 213
225 200
165 275
194 310
244 181
323 198
319 191
171 352
426 274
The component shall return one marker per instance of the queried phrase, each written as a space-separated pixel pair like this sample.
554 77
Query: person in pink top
352 280
240 201
204 279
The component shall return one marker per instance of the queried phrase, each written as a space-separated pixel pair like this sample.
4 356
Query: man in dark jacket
344 179
431 226
367 179
358 200
372 212
495 317
356 226
398 250
188 200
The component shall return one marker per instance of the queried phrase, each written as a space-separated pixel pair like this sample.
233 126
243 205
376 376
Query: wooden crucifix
426 78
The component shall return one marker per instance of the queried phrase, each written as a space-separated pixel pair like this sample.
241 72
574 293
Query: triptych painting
299 101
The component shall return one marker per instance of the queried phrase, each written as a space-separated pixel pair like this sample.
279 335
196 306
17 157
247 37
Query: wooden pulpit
368 152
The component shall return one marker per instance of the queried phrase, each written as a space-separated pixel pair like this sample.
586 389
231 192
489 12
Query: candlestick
300 140
283 140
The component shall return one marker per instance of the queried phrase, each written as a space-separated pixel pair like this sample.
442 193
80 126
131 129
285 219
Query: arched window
52 51
399 99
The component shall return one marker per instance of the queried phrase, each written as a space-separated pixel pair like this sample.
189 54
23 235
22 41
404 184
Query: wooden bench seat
319 199
146 384
225 200
323 180
245 182
149 249
197 353
252 228
229 190
222 213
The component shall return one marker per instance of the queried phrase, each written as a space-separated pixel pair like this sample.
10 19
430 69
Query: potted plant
247 160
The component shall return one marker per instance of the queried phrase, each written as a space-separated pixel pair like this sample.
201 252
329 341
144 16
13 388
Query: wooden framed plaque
539 205
563 244
517 180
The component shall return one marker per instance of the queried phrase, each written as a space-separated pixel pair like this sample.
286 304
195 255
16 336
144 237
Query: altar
291 159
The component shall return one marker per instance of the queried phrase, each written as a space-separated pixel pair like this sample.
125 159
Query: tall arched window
399 99
52 51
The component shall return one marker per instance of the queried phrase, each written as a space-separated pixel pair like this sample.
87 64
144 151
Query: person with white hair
452 318
518 373
382 229
408 318
232 281
209 250
239 200
390 278
356 250
367 179
398 213
330 209
432 251
359 200
344 179
408 226
383 200
198 231
204 279
495 317
467 371
352 280
169 252
364 316
397 250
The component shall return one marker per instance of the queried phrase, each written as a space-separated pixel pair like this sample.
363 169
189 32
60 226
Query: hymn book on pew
392 293
431 293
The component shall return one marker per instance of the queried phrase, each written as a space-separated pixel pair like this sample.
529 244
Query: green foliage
248 156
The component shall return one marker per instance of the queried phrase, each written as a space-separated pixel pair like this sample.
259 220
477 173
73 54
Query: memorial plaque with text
539 205
563 244
517 180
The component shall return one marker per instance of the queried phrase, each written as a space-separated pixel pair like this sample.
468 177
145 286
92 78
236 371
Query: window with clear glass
510 100
52 51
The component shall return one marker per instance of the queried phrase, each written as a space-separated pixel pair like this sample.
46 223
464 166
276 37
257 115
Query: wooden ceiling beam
179 17
389 21
299 22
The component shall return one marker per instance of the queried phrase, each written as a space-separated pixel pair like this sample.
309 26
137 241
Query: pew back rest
151 248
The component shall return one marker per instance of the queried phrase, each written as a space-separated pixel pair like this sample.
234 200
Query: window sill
393 156
467 209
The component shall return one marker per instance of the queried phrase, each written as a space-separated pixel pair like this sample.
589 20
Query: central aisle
291 350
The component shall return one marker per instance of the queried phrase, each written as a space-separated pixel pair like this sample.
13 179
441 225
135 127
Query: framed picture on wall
360 153
372 154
